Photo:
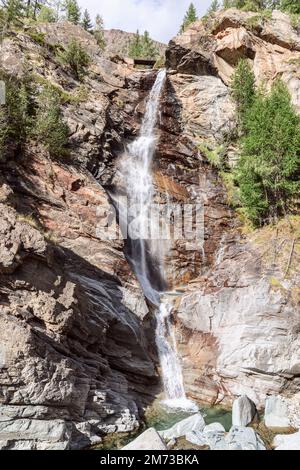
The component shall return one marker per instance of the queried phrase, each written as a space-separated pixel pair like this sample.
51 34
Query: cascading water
145 251
169 360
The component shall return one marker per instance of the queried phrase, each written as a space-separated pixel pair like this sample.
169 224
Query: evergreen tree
291 6
213 7
98 32
13 117
135 49
190 17
77 58
49 127
86 21
243 90
268 172
149 49
72 11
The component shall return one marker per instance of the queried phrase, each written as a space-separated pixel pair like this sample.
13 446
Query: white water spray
146 254
169 361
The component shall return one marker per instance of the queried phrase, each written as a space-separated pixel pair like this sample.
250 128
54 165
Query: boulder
196 437
213 435
214 427
148 440
240 438
287 441
276 413
193 423
243 411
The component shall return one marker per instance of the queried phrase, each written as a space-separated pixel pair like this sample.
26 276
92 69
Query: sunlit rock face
76 350
214 46
238 319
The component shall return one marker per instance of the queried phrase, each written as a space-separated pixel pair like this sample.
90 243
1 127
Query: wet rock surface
75 355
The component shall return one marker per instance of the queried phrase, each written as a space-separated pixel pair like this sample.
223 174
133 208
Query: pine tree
77 58
149 49
72 11
268 172
13 12
46 15
135 48
291 6
86 21
243 90
213 7
98 32
190 17
49 127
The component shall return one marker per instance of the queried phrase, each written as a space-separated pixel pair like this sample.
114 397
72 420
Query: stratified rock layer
238 320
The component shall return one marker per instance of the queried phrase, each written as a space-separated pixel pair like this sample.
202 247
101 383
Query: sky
162 18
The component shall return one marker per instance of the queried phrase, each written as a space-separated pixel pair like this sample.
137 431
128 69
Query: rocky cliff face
238 323
117 42
75 351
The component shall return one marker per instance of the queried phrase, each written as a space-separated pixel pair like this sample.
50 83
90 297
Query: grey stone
241 438
192 423
276 412
243 411
287 441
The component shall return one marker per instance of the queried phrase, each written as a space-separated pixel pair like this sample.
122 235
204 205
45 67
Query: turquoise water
162 418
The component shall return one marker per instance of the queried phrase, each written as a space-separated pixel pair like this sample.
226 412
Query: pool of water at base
160 418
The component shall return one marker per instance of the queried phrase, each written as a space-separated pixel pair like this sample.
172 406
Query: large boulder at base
149 440
243 411
240 438
276 413
193 423
287 441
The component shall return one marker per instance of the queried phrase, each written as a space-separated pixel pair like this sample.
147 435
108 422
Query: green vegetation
49 127
268 172
72 11
86 21
265 183
215 156
31 111
189 18
37 36
143 47
243 90
215 5
98 32
289 6
76 57
13 117
47 15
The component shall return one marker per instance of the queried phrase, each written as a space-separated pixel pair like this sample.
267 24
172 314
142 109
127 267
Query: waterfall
143 250
135 171
169 360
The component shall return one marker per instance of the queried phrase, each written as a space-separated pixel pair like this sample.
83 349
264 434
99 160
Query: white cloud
162 18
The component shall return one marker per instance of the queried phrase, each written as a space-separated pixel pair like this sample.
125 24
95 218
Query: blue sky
162 18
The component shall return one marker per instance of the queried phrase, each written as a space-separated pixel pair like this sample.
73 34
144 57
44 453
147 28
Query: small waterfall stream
144 252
